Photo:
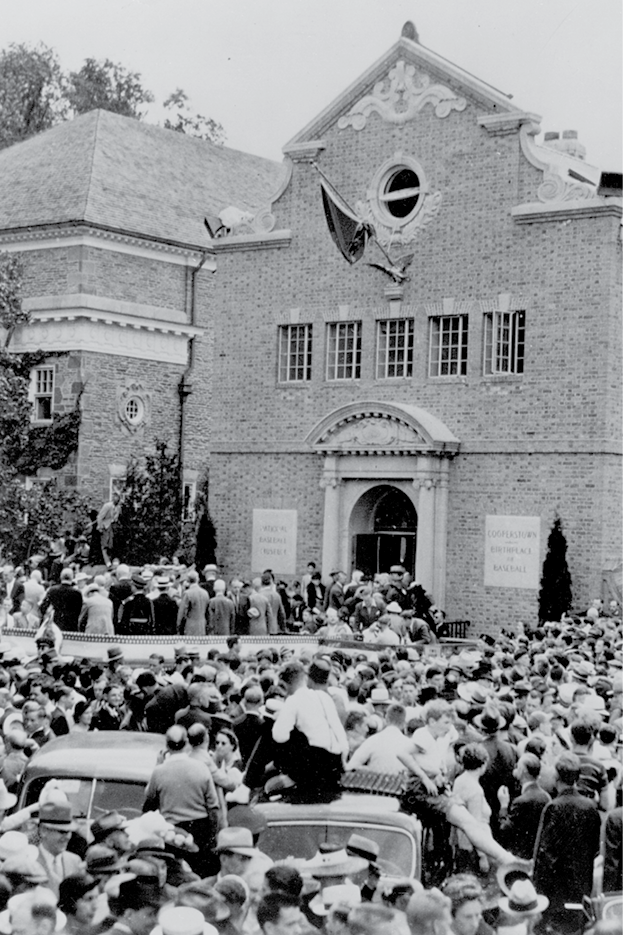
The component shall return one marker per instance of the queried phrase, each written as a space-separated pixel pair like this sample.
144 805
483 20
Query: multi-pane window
295 353
504 342
43 393
394 348
447 349
344 350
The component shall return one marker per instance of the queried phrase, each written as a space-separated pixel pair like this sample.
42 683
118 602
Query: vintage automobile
99 771
107 770
297 830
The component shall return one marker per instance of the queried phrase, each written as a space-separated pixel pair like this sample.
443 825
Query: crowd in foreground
508 751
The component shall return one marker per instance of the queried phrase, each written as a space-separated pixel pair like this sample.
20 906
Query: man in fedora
165 608
236 850
55 827
136 902
109 831
566 846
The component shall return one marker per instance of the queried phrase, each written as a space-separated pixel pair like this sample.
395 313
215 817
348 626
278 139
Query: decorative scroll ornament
133 406
400 96
565 177
554 188
372 434
398 232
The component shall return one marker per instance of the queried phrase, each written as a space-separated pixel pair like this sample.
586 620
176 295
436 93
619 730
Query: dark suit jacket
118 593
519 828
17 595
248 729
67 604
165 614
613 837
566 845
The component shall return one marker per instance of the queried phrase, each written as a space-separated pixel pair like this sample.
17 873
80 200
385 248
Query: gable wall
521 437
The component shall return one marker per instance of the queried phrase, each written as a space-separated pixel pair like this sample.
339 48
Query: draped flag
350 234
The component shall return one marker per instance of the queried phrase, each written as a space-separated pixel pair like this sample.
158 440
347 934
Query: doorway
383 531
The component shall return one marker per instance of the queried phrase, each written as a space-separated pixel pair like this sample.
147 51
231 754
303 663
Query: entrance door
378 551
383 531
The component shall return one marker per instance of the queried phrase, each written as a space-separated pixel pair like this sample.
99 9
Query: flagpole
369 226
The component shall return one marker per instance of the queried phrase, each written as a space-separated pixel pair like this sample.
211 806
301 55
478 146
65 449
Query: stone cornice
538 213
503 124
304 152
273 240
436 66
71 235
85 304
86 323
569 446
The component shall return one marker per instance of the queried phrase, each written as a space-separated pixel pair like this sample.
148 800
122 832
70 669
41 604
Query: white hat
346 894
183 920
393 608
14 842
523 900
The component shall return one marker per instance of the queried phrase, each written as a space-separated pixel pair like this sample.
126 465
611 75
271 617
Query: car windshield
108 796
301 839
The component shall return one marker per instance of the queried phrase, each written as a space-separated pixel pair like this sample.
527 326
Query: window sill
502 377
453 378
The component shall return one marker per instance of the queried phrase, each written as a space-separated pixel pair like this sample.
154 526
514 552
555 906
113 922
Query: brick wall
530 445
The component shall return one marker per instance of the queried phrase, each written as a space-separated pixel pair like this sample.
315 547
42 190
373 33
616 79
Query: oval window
134 410
400 192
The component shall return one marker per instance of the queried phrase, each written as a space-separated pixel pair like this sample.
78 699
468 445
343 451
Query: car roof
349 808
107 754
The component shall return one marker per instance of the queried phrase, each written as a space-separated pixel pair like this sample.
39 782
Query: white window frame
295 353
448 357
42 383
504 340
343 362
390 355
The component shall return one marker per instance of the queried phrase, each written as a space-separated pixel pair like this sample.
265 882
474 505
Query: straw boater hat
523 901
15 842
182 920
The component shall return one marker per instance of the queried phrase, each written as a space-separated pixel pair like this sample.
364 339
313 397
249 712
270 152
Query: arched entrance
383 530
374 452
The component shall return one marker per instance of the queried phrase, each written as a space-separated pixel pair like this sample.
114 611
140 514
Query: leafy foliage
29 517
555 594
108 86
35 94
29 514
149 523
192 125
31 92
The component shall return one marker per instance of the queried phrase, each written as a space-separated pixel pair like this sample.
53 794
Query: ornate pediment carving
398 97
371 434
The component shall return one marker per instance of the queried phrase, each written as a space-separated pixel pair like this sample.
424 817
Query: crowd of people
508 751
166 599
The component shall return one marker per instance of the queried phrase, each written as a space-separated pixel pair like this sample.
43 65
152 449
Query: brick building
440 420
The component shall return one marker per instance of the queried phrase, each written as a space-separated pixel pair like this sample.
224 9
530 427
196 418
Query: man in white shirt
379 752
309 728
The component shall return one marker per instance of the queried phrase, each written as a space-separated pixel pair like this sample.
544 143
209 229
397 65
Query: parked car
99 772
297 830
107 770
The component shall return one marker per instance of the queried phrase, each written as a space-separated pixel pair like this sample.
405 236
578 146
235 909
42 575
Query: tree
108 86
555 593
31 92
29 513
192 125
149 523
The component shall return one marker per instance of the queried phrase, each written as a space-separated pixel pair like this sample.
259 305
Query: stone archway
383 530
368 444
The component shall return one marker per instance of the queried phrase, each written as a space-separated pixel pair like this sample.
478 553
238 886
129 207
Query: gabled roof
119 173
437 67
